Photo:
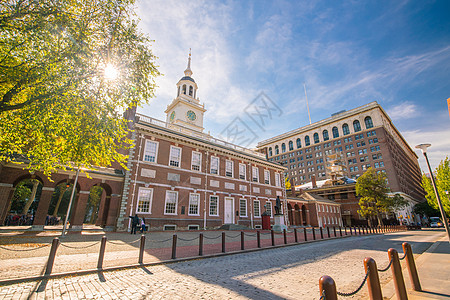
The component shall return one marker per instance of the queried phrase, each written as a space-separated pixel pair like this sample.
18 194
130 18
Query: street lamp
424 147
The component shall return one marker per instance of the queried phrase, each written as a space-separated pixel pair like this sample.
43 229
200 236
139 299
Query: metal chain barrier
79 247
387 268
323 297
358 289
123 243
212 238
24 250
403 257
233 236
162 241
188 240
250 234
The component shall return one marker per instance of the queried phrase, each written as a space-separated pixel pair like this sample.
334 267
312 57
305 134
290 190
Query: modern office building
348 143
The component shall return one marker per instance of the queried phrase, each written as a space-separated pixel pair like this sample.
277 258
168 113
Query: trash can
265 217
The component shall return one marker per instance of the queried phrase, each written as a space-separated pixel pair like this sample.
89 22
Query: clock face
172 116
191 115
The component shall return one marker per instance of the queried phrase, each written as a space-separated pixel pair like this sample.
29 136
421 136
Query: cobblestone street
283 273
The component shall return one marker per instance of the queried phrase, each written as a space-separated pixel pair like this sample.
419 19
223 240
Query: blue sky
348 53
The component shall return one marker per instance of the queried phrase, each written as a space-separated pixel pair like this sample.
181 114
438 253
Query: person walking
143 227
134 223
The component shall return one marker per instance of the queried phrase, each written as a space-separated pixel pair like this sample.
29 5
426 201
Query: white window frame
242 171
215 158
269 203
176 203
229 170
147 142
179 158
255 173
257 212
277 179
266 177
217 205
243 200
191 200
194 153
150 200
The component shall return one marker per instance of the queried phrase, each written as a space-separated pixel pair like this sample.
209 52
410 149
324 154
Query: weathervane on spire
188 71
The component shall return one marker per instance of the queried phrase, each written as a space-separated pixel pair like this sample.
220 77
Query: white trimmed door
228 211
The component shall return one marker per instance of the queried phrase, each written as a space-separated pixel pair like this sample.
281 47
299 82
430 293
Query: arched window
291 146
369 123
277 150
316 138
325 135
184 89
299 143
335 132
307 143
191 90
270 151
356 126
345 129
283 148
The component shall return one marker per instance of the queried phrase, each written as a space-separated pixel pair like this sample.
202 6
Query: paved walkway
281 273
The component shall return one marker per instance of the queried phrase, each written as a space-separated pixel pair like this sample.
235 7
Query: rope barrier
357 290
188 240
79 247
387 268
24 250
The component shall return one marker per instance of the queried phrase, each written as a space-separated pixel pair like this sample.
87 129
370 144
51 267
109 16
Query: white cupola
186 110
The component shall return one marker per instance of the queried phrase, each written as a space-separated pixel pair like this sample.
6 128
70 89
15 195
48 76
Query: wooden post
373 281
327 287
399 283
412 270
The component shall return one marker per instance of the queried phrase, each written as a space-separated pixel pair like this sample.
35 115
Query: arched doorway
297 215
290 216
59 203
25 200
304 215
93 205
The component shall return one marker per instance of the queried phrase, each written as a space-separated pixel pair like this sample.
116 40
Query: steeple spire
188 71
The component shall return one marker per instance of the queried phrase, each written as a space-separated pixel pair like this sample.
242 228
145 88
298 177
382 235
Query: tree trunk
380 219
33 195
55 212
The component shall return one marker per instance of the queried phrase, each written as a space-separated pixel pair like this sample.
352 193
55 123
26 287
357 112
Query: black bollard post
334 230
284 236
101 253
174 247
141 249
258 237
200 244
314 233
295 235
321 233
273 237
328 231
304 233
223 242
51 257
242 241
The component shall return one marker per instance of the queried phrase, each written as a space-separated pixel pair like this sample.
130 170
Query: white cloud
405 110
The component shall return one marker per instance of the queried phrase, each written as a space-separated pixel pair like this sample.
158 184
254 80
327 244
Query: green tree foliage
442 176
287 183
425 209
373 189
57 104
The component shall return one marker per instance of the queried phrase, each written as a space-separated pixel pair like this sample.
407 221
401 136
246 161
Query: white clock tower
186 110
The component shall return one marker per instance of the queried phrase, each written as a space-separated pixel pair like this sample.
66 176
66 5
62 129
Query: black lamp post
424 147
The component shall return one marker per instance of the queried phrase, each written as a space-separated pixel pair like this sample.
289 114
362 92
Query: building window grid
151 151
214 165
267 176
213 205
171 203
268 207
229 168
145 200
242 171
255 174
175 156
256 208
243 207
194 202
196 161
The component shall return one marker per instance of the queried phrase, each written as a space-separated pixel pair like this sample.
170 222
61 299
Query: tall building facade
351 141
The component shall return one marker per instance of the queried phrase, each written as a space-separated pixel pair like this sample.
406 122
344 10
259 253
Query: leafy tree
287 183
442 183
373 189
425 209
59 101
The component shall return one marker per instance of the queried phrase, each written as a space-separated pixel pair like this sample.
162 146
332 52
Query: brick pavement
281 273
